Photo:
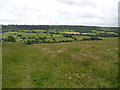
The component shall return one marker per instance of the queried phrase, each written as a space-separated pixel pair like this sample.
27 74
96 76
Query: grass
0 66
85 64
28 34
112 33
57 35
81 37
48 39
108 37
6 34
72 32
88 33
63 38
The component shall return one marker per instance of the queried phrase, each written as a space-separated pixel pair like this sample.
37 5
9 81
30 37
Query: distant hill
58 27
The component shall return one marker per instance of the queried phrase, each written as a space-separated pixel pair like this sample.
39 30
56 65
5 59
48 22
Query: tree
10 39
28 42
19 35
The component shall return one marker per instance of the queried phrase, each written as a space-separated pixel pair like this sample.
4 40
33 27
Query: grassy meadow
83 64
0 66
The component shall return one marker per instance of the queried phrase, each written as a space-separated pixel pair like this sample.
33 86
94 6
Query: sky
59 12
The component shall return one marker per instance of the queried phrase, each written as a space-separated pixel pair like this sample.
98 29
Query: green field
84 64
59 56
0 66
32 34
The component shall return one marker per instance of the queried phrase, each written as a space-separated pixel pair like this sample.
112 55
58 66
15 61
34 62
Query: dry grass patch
90 56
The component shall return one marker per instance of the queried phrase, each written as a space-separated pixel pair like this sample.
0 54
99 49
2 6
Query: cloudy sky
59 12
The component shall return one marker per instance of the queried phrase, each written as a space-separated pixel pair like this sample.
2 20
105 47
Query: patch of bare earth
88 46
90 56
47 50
54 51
79 58
61 50
76 57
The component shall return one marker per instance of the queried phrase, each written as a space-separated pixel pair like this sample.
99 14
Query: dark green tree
28 42
10 39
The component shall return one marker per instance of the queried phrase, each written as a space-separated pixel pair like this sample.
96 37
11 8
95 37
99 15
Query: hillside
84 64
77 28
34 34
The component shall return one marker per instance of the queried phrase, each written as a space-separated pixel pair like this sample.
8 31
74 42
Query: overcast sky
59 12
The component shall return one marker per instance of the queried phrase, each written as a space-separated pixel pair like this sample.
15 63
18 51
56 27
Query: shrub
10 39
28 42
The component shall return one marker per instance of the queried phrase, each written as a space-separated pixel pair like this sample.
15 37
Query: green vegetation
0 66
52 34
10 39
44 56
86 64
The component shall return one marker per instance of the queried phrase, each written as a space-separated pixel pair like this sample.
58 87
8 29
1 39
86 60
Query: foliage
28 42
10 39
82 29
56 34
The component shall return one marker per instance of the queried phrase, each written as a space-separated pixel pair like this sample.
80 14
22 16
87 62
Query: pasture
85 64
59 56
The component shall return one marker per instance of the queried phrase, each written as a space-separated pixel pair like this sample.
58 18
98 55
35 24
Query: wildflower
70 78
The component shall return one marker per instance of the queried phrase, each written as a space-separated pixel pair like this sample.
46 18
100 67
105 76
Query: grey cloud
12 21
79 3
77 12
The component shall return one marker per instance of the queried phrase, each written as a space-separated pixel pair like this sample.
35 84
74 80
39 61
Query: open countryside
44 56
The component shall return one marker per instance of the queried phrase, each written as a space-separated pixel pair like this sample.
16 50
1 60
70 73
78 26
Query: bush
95 38
19 35
10 39
28 42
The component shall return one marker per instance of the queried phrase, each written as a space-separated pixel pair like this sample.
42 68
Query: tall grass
85 64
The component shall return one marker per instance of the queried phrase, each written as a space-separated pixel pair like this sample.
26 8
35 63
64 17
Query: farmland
61 34
88 59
